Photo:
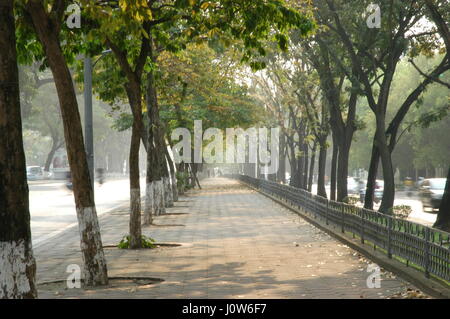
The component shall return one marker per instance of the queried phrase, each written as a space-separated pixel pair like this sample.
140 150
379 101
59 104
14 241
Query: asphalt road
52 205
418 214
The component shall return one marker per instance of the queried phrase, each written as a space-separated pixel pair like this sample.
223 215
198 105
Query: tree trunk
281 173
55 146
17 263
155 191
321 191
387 201
173 177
292 163
194 169
299 172
334 168
443 217
135 189
305 167
95 270
311 167
168 194
342 172
181 168
371 178
134 93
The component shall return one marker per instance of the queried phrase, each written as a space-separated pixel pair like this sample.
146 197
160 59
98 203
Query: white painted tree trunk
17 270
95 270
166 198
158 198
149 199
174 189
168 192
162 197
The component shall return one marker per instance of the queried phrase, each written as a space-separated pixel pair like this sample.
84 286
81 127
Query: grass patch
147 242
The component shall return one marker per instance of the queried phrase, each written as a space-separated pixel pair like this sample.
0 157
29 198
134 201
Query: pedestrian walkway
235 243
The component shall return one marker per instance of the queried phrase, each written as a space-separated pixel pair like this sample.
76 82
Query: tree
269 88
202 83
290 91
46 24
428 46
426 121
18 267
131 55
311 96
374 55
327 57
45 118
248 21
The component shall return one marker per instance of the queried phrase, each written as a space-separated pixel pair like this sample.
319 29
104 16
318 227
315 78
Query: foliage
351 200
183 181
200 84
245 25
402 211
147 242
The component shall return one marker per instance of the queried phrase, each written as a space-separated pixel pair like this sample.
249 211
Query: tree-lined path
235 243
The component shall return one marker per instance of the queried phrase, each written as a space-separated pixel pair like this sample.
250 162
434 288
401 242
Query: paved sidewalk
235 243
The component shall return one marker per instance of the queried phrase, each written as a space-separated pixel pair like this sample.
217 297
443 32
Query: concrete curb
429 285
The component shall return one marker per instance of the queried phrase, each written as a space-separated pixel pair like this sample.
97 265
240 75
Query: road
418 215
52 206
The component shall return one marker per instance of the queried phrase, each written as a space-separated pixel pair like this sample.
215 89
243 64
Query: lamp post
88 126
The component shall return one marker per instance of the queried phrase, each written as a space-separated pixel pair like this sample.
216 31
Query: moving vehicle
377 193
379 188
431 192
352 186
409 186
34 173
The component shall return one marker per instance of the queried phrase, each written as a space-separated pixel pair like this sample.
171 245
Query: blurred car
419 182
34 173
352 186
69 184
431 192
48 174
362 184
288 178
377 193
379 188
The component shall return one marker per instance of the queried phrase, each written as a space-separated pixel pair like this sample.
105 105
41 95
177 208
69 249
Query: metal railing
426 248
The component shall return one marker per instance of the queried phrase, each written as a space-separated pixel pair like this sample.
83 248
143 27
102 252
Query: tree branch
440 22
431 78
